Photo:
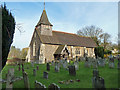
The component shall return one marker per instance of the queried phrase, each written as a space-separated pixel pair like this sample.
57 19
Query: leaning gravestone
26 80
10 76
39 85
48 67
34 72
53 86
72 70
45 75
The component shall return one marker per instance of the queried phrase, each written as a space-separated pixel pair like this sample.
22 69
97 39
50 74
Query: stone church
47 44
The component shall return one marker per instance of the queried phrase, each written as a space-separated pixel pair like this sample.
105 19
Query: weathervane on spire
44 4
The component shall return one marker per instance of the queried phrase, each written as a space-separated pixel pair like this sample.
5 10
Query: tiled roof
59 49
63 38
44 19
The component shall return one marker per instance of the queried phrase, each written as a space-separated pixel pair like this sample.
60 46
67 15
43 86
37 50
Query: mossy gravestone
72 70
26 80
39 85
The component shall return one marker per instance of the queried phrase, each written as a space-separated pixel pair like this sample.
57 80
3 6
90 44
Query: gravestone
26 80
34 72
76 65
52 63
98 83
72 70
45 75
48 67
37 67
39 85
111 63
53 86
101 62
57 67
10 76
32 64
65 64
87 62
94 63
95 73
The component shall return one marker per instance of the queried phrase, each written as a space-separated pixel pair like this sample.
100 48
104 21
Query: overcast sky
65 16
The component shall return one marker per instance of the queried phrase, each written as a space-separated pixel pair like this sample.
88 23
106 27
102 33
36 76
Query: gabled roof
63 38
59 49
44 19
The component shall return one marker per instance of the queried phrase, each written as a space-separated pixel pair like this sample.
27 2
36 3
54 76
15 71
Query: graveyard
82 78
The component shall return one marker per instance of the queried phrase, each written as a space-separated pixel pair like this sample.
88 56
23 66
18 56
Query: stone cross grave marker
72 70
34 72
39 85
48 67
45 75
57 67
10 76
26 80
76 65
53 86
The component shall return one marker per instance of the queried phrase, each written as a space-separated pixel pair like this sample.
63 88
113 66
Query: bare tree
91 31
105 37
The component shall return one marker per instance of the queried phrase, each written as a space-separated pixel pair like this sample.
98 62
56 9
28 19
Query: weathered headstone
95 73
65 64
87 63
76 65
53 86
10 76
98 83
26 80
57 67
94 63
101 62
111 63
72 70
34 72
48 67
52 63
39 85
45 75
32 63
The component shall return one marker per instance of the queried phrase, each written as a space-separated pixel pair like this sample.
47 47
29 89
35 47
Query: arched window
34 48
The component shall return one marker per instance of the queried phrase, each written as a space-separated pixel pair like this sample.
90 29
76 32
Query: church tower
44 26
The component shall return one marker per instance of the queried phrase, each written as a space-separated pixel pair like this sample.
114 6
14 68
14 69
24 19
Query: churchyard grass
84 74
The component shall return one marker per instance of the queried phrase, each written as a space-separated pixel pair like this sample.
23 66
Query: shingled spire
44 19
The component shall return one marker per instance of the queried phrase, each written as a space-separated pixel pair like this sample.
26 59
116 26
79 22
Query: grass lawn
84 74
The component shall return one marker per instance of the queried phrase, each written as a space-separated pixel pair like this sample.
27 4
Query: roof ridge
70 33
